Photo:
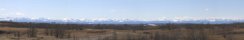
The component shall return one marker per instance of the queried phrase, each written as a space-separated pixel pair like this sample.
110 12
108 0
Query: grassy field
10 33
40 31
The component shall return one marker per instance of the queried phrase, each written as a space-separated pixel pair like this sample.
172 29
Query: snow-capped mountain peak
122 21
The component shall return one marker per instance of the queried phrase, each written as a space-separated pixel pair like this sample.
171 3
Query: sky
130 9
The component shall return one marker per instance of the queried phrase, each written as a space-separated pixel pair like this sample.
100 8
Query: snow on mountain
122 21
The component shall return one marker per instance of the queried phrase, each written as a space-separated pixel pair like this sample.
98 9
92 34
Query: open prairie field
12 33
46 31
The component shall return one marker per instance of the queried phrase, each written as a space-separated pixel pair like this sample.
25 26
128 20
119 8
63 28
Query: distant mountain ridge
120 21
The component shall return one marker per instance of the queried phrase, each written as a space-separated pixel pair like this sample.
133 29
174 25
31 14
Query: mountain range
122 21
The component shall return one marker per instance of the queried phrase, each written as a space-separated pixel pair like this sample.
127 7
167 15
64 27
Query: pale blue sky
132 9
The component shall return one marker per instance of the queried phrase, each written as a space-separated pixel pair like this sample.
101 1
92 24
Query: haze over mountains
123 21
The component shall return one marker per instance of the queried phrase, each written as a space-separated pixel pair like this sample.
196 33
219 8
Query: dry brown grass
92 34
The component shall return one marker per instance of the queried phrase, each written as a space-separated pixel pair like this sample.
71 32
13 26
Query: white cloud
112 11
11 13
2 9
206 9
19 14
